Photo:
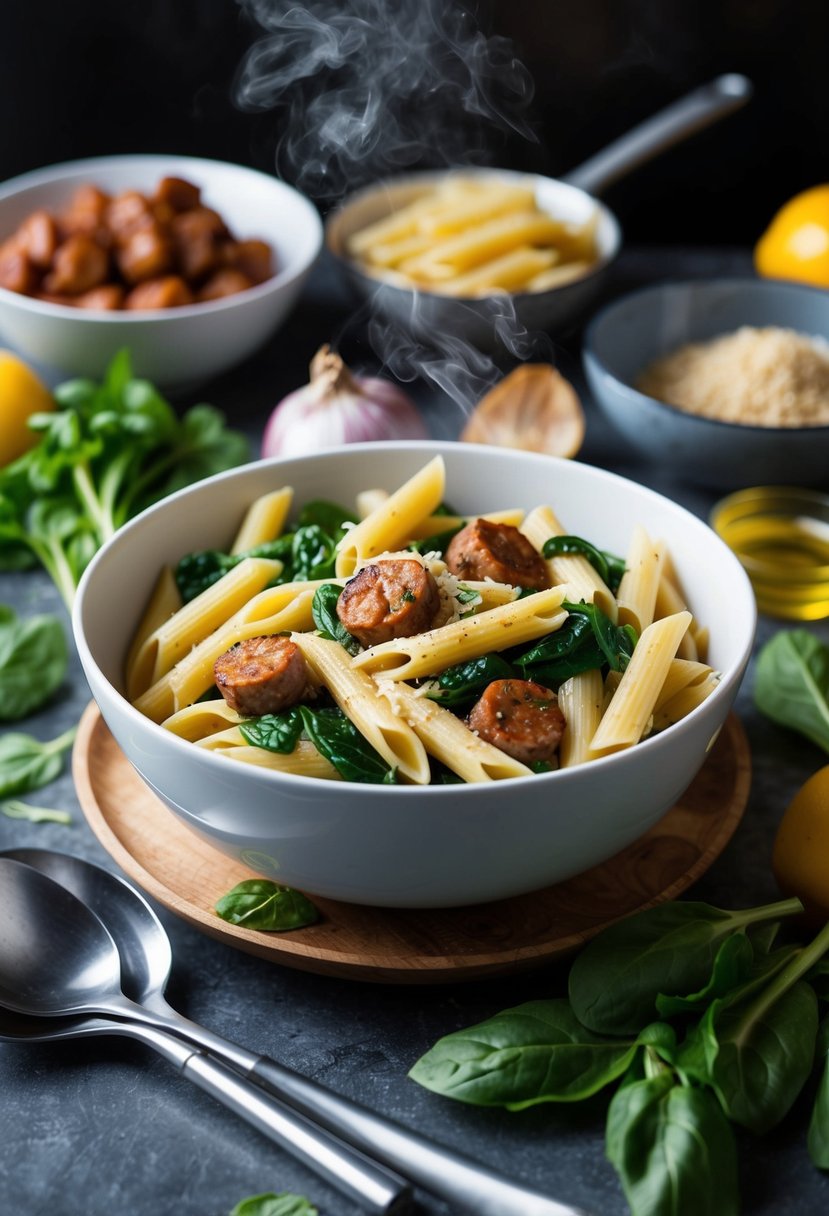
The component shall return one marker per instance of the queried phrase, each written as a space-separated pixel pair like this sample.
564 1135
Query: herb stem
802 962
85 487
55 746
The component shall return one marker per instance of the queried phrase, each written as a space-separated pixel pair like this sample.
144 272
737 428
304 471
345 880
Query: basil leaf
673 1149
283 1204
792 684
463 684
324 613
33 662
274 732
336 737
258 903
26 763
536 1052
616 980
34 814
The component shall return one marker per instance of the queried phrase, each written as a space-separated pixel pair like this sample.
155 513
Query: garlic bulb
336 407
533 408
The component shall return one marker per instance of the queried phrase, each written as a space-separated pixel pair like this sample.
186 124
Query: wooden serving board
187 875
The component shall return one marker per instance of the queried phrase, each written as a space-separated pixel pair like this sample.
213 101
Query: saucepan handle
670 126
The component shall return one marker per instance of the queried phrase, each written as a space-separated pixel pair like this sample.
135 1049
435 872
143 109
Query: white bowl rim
56 173
426 175
605 314
447 792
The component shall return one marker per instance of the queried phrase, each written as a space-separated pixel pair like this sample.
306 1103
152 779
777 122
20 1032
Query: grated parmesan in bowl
755 377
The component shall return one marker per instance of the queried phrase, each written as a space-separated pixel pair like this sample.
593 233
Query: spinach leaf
438 543
313 554
732 965
792 684
587 640
336 737
673 1149
461 685
615 981
324 613
616 642
537 1052
274 732
196 572
34 814
270 1204
608 567
33 661
329 516
818 1138
26 763
258 903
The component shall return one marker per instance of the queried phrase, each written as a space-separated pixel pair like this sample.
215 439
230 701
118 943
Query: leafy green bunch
108 451
702 1020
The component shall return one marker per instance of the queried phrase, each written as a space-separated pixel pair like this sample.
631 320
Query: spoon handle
375 1188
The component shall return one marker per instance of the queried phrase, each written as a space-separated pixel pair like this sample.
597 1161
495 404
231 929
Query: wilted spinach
324 613
196 572
792 684
274 732
458 686
33 661
333 735
608 567
587 640
259 903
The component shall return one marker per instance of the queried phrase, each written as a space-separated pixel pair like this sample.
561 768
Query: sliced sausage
487 550
261 675
520 718
169 292
78 265
225 282
389 599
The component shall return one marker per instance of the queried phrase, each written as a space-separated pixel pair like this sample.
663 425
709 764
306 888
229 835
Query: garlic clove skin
337 407
533 408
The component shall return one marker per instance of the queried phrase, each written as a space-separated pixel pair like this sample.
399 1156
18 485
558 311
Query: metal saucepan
485 321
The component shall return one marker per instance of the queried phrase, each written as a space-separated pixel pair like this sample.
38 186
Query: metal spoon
48 980
445 1174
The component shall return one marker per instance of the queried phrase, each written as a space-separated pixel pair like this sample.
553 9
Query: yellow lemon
22 394
796 243
800 857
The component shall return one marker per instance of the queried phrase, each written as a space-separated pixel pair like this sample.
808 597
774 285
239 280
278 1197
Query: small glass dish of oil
781 536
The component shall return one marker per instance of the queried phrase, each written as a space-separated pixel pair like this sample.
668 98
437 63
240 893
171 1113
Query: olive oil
781 537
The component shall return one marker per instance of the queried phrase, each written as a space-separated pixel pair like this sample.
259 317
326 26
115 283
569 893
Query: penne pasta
393 520
573 571
164 602
581 700
264 520
637 592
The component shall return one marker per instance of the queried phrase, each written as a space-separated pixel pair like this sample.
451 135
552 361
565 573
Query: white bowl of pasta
387 774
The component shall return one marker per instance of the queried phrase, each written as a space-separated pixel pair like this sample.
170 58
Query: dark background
104 76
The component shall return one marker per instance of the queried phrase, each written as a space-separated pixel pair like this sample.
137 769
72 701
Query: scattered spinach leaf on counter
108 451
324 614
739 1048
608 567
33 661
15 809
792 684
259 903
270 1204
26 763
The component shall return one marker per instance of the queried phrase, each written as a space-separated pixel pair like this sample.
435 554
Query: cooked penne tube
482 244
432 652
682 673
680 705
204 718
636 596
510 271
573 571
370 500
632 705
264 520
392 521
434 525
356 694
581 700
447 738
164 602
303 761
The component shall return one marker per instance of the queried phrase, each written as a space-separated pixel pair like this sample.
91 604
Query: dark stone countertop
102 1126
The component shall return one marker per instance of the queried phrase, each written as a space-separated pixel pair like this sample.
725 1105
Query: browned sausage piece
38 235
253 258
389 599
86 213
261 675
196 253
200 219
127 213
145 254
169 292
520 718
16 271
78 265
226 282
484 549
109 297
178 194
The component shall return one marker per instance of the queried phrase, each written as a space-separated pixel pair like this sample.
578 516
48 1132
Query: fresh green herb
110 450
587 640
459 686
336 737
33 661
608 567
670 950
274 732
270 1204
27 764
329 516
324 613
259 903
34 814
792 684
747 1015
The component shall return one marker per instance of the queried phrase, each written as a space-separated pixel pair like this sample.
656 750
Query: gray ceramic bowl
629 333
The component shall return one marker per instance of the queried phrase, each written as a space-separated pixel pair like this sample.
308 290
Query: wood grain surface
187 875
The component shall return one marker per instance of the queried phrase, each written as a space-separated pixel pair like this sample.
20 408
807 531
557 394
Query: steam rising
368 88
